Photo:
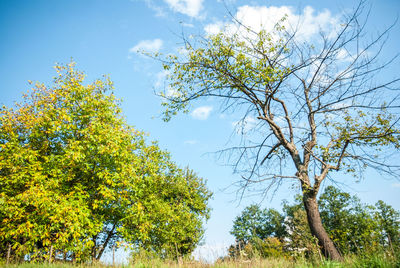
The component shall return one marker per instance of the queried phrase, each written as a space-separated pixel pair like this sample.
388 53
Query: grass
356 262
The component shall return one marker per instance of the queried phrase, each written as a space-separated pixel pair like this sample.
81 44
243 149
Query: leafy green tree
355 228
350 224
258 232
254 222
389 225
76 179
315 112
300 241
171 215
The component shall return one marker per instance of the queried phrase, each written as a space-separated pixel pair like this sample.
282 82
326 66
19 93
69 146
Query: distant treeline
355 228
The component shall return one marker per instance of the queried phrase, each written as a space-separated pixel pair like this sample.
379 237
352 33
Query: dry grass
356 262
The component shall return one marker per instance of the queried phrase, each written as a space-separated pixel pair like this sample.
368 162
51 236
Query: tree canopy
355 228
322 105
254 222
76 179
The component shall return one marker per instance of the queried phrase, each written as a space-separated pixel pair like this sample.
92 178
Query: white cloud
341 105
396 185
190 8
280 120
245 125
214 28
147 46
160 79
158 9
189 25
307 23
172 93
344 56
201 113
190 142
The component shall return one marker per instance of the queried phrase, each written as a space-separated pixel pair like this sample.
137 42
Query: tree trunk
104 246
318 230
93 253
8 253
51 253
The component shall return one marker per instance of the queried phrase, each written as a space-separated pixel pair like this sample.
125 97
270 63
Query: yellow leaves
72 165
139 207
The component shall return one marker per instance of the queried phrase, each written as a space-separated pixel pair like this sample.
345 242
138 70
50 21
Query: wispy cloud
189 25
202 113
307 24
147 46
190 8
396 185
157 8
160 79
190 142
245 125
344 55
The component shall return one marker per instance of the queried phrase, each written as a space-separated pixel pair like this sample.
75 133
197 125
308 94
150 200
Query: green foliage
177 206
389 225
223 63
375 261
300 240
268 247
76 179
350 224
360 129
314 111
257 68
256 223
355 228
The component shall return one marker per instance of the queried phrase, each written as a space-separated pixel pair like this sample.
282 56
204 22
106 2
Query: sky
103 37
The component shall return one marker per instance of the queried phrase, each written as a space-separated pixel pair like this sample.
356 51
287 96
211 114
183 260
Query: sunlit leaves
75 177
256 222
224 64
354 227
361 130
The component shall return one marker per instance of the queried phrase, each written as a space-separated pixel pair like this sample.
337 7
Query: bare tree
321 105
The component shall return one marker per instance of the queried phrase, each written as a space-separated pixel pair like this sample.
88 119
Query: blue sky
103 36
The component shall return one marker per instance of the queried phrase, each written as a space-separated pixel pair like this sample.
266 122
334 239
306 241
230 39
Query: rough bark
317 229
8 253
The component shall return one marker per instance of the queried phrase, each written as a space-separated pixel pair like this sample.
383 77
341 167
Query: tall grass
370 261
